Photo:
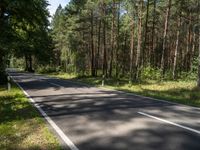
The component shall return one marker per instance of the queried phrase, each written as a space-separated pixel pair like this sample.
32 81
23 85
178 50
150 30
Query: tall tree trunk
145 54
30 64
153 56
2 54
26 62
104 41
193 49
92 46
117 39
132 50
188 47
165 38
112 37
98 47
138 54
124 49
176 49
2 68
198 80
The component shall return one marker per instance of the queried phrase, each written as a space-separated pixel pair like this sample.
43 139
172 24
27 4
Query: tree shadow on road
97 119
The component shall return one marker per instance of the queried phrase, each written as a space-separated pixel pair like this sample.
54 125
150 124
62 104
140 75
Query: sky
53 5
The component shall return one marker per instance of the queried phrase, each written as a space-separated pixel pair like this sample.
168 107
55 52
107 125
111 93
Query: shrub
150 73
47 69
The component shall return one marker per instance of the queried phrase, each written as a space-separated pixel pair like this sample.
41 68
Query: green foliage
150 73
192 74
24 27
16 63
184 92
195 64
62 75
188 76
47 69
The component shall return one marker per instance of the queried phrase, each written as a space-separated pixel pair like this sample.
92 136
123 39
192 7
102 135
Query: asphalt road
98 119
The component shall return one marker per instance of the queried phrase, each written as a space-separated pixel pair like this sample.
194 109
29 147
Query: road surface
98 119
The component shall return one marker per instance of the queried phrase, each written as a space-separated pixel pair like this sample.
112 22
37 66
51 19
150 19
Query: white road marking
55 84
42 79
128 93
50 121
169 122
70 143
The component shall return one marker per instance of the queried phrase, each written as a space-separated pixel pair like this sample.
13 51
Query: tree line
109 38
24 33
117 38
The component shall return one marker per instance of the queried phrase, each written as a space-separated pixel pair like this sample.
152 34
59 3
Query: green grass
184 92
62 75
21 126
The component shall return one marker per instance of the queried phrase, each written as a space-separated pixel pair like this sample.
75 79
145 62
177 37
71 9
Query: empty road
96 119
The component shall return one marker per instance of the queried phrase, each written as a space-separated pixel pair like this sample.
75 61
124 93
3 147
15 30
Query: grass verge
183 92
21 126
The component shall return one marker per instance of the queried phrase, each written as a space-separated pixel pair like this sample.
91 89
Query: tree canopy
24 31
128 38
135 39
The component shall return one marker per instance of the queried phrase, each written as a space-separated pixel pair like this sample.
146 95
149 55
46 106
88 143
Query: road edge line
131 93
120 91
48 119
170 122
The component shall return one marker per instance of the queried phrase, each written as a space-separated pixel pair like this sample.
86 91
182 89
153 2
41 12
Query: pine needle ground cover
21 126
183 92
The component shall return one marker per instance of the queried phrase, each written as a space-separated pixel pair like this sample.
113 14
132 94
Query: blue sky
53 4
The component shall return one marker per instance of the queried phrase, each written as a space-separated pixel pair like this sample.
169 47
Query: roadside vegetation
182 91
21 126
147 47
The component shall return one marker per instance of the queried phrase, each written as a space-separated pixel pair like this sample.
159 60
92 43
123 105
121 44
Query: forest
99 74
132 39
23 35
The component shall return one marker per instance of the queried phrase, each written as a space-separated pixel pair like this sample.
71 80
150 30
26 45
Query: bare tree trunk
132 50
193 49
2 53
165 38
176 49
2 68
26 62
198 80
112 37
138 54
124 49
104 42
92 46
153 57
117 39
188 47
30 69
98 47
145 53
